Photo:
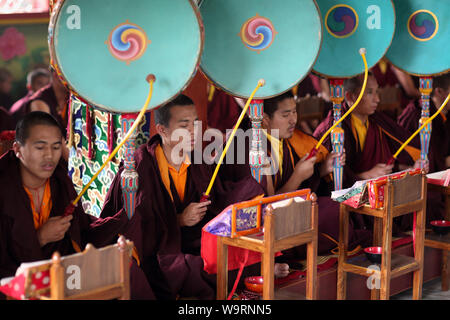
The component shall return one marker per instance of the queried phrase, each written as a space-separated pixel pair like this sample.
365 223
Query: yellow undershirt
361 130
179 177
41 216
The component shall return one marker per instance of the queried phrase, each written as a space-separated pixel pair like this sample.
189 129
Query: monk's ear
161 130
266 121
349 97
16 148
440 92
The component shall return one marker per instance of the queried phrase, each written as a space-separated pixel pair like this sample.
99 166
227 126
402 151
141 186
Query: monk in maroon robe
294 171
53 99
388 75
36 80
168 218
371 138
440 134
35 191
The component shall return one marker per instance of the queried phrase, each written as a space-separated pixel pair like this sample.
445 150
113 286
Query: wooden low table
436 241
402 196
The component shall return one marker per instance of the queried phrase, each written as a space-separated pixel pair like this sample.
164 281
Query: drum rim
221 87
368 66
54 62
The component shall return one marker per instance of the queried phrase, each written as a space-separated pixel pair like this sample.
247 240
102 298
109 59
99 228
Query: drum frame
56 66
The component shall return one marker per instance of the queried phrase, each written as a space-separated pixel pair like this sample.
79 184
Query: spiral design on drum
423 25
341 21
258 33
127 42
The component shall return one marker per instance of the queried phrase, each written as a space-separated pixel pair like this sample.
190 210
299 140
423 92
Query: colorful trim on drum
344 21
425 29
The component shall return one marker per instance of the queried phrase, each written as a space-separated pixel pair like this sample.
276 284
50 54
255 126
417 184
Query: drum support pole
426 86
337 135
256 153
129 176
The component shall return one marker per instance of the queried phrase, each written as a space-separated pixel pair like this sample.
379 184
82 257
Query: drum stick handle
391 161
422 126
151 79
312 153
362 52
261 83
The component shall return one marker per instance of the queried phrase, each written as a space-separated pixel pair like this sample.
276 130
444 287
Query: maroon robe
18 109
223 111
328 209
389 79
379 148
170 255
440 134
18 237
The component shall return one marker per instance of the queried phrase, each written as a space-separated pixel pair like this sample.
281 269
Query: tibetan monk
440 134
53 99
371 138
35 191
168 214
292 171
36 79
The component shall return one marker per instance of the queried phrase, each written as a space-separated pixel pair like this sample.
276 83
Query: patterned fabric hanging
105 133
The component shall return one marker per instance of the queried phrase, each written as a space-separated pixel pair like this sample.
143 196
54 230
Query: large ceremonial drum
348 26
105 49
421 41
245 41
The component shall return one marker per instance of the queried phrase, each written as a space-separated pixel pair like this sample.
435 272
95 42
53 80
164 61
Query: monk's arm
103 231
406 82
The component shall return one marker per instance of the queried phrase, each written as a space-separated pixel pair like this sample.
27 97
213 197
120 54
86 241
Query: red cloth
236 256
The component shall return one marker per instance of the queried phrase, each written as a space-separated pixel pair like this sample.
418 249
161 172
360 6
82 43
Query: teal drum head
421 41
348 26
105 49
245 41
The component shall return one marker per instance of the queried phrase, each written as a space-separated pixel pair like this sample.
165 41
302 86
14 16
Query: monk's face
284 119
369 102
182 127
39 82
40 153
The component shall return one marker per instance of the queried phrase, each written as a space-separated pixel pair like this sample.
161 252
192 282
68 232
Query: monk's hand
193 214
305 168
54 229
380 169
